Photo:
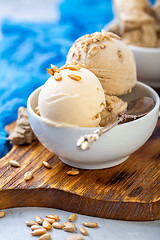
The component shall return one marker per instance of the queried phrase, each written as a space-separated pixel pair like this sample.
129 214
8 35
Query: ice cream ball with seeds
72 98
108 58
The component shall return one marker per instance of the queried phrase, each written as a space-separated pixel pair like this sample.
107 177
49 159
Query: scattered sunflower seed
75 237
90 224
34 227
46 236
2 214
56 217
29 223
83 231
73 172
39 220
46 225
50 220
28 175
14 163
72 217
69 227
47 165
57 225
39 232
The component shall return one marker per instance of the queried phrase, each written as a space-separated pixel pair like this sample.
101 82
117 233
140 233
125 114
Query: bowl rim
157 104
144 49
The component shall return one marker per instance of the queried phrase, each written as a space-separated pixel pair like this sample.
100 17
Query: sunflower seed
69 227
57 225
50 220
75 237
73 67
39 232
90 224
73 172
50 71
54 68
14 163
46 225
102 46
39 220
29 223
28 175
56 217
47 165
46 236
70 223
113 35
34 227
63 67
57 76
72 217
74 77
2 214
83 231
93 51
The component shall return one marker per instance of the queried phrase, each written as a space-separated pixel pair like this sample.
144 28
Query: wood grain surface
130 191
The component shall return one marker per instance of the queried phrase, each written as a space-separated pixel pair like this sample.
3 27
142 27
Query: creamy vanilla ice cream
108 58
73 96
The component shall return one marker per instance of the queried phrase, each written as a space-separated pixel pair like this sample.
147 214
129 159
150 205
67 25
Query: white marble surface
12 226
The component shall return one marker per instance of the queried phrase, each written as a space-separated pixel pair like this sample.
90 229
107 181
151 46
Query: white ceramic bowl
148 65
111 149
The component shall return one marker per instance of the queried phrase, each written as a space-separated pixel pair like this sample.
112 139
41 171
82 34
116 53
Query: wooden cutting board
130 191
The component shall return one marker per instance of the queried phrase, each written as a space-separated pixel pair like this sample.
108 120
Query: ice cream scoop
72 96
108 58
137 108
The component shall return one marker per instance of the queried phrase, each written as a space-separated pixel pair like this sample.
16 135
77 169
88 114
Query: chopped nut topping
75 77
63 67
50 71
113 35
57 76
102 46
73 67
54 68
93 51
